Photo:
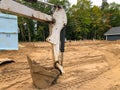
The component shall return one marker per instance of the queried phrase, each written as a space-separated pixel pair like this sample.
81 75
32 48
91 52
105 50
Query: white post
106 37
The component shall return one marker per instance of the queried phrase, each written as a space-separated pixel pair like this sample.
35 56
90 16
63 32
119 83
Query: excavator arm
22 10
57 22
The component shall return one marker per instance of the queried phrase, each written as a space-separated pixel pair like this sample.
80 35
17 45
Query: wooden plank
22 10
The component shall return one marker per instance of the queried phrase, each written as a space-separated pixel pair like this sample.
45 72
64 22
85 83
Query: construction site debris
4 61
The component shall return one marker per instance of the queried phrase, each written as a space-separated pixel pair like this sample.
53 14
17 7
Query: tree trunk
29 35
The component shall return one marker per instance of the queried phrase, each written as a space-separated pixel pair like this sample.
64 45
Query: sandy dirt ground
89 65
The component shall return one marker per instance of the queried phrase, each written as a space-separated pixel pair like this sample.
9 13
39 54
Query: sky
96 2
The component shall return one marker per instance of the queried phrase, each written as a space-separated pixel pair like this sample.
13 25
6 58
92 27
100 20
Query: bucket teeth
42 77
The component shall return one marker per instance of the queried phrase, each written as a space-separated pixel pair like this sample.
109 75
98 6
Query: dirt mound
88 64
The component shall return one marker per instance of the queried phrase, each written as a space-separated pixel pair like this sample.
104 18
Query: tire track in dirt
110 57
80 77
13 74
76 82
7 80
75 64
14 83
10 76
105 81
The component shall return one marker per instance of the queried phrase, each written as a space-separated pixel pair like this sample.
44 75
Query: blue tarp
8 32
8 23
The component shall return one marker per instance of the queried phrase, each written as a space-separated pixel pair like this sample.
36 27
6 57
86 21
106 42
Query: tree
84 20
64 3
79 19
114 10
96 19
104 4
26 26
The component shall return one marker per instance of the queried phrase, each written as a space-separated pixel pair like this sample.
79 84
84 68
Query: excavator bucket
42 77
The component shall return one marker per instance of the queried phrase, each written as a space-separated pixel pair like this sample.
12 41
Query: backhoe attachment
57 36
42 77
45 77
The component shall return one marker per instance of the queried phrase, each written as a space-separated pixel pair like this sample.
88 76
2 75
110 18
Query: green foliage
114 10
84 20
91 22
